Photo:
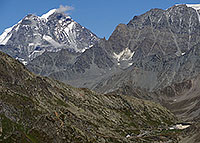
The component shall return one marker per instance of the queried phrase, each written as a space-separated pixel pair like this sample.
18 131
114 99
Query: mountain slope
38 109
178 89
85 70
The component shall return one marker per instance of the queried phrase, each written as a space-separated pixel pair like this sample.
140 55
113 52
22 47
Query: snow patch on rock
36 53
180 126
51 41
183 53
22 60
126 54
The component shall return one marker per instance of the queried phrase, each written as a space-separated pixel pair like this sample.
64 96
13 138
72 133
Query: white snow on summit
196 7
5 36
46 15
38 36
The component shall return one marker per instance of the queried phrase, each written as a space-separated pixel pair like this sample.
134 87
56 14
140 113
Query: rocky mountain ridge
154 38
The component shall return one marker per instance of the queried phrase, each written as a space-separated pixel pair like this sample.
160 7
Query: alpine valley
140 85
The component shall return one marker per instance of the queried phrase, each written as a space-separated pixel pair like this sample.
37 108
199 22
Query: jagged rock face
50 62
69 32
86 69
155 72
78 69
54 31
163 43
34 108
171 31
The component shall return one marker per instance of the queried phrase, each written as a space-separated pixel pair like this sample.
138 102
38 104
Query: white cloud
62 9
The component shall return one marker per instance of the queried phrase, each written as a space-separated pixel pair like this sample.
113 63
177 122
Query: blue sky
100 16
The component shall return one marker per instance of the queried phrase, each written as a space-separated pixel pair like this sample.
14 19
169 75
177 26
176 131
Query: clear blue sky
100 16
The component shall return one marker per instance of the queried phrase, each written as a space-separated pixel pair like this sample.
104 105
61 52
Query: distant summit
53 31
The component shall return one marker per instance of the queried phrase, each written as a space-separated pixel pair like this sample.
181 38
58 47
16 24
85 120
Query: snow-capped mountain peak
52 31
5 36
194 6
46 15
